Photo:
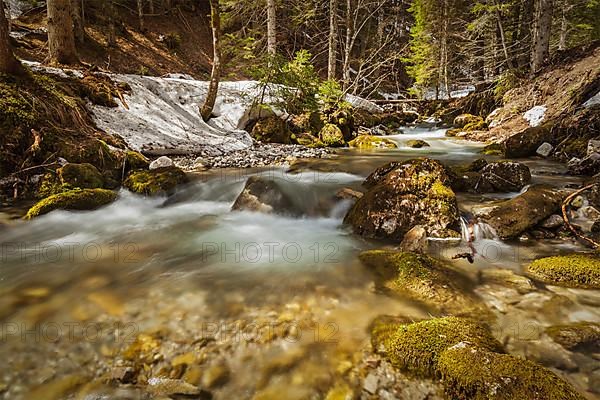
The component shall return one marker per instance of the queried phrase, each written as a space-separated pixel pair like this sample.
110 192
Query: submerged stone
575 270
417 144
577 336
78 199
265 196
424 279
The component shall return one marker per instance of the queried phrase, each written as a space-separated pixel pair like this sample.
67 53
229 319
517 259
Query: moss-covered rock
343 118
579 336
403 195
574 270
417 144
272 130
311 123
78 199
306 139
526 142
135 160
424 279
470 371
51 184
417 347
465 119
372 142
332 136
510 218
84 176
503 177
157 182
494 149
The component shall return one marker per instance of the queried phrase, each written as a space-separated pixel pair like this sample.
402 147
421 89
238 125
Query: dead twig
566 204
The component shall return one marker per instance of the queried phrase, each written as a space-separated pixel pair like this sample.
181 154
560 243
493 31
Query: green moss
332 136
577 147
471 371
422 278
84 176
272 130
51 184
136 160
417 347
372 142
465 119
494 149
475 126
453 132
86 199
440 191
157 182
575 270
577 336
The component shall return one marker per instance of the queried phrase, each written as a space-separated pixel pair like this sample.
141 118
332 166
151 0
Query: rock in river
505 176
266 196
403 195
510 218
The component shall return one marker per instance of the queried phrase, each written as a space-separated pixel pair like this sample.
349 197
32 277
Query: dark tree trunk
542 27
8 63
61 40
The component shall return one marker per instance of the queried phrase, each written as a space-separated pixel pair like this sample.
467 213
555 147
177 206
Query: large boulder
84 176
510 218
331 135
403 195
272 130
78 199
465 119
266 196
503 176
574 270
526 142
367 142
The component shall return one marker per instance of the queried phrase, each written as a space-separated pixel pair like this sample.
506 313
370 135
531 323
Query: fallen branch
565 204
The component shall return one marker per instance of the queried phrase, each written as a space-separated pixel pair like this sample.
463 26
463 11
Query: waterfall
473 231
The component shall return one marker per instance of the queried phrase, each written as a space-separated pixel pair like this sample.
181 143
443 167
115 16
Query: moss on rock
331 135
469 371
156 182
135 160
465 119
272 130
424 279
494 149
84 176
574 270
78 199
417 347
372 142
417 144
576 336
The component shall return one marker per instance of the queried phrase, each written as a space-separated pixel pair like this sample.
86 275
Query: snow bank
536 115
18 7
592 101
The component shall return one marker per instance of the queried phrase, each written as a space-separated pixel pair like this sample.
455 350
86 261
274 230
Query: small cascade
473 231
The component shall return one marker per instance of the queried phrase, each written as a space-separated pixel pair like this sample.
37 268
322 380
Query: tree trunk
61 40
542 26
331 65
348 46
140 10
76 14
112 34
213 88
8 62
564 28
151 5
271 27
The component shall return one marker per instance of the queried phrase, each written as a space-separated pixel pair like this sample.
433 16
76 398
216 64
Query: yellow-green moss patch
372 142
471 372
575 270
84 176
157 182
417 347
136 160
79 199
332 136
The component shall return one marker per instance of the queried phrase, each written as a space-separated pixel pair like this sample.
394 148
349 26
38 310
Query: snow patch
594 100
536 115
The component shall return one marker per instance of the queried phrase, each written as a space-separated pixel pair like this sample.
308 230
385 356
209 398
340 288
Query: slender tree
8 62
140 10
213 88
112 33
333 39
271 27
77 16
61 39
542 28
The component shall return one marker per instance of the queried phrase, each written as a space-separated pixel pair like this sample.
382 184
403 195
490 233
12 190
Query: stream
261 304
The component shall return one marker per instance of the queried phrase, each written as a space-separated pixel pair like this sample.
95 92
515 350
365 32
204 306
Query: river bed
249 305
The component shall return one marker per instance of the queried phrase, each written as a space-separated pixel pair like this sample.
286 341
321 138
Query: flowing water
262 304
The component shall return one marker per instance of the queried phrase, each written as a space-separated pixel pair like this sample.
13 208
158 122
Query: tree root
566 203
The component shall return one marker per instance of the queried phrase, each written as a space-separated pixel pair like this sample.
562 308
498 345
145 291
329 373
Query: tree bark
140 10
61 39
213 88
151 5
8 63
271 27
348 45
78 28
112 34
542 26
333 32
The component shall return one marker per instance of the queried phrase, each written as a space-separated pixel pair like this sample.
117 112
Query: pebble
259 155
370 384
161 162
